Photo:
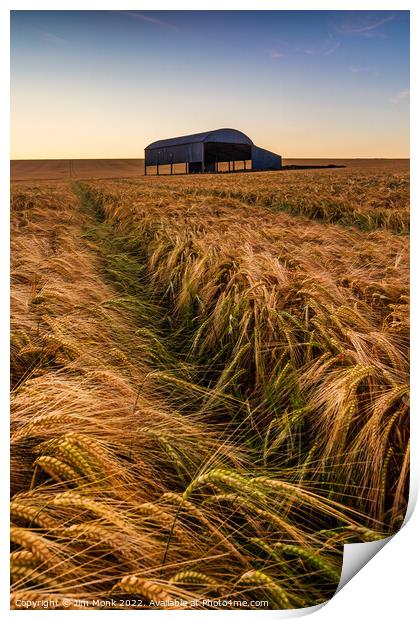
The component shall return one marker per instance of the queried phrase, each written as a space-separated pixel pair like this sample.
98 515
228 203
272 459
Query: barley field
209 384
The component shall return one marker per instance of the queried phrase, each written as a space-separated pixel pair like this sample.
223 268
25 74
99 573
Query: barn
203 152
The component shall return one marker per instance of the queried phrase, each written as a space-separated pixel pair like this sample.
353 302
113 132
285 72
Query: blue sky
302 83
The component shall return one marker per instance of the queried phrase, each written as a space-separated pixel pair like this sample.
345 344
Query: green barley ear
184 505
265 582
171 452
313 559
99 457
227 478
268 516
192 577
71 454
384 473
269 550
366 533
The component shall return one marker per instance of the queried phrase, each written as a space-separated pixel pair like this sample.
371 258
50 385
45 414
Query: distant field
56 169
51 169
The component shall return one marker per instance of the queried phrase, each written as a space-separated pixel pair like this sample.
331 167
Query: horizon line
142 158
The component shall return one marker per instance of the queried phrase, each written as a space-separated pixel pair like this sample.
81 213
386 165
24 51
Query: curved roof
216 135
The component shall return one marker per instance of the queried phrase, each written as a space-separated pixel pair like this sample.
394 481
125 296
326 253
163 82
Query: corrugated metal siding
176 154
265 160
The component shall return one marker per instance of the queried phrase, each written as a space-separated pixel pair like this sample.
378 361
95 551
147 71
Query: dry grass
209 397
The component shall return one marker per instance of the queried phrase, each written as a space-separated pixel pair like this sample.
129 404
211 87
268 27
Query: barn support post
229 165
158 169
233 166
145 169
244 164
171 167
186 167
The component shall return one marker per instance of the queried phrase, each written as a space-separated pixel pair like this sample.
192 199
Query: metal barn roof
216 135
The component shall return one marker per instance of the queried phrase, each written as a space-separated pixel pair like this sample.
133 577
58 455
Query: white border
387 586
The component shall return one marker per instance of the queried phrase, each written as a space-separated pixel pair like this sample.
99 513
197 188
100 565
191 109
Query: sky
93 84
